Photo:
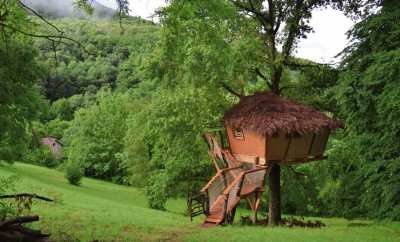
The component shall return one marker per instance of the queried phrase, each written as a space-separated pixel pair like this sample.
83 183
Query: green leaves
95 136
20 100
368 97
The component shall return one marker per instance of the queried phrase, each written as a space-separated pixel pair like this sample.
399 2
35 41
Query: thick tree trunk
274 205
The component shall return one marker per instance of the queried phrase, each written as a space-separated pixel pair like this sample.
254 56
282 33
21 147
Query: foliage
73 173
7 185
20 98
367 178
95 136
42 156
164 144
56 128
101 62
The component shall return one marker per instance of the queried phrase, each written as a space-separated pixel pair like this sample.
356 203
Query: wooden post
274 205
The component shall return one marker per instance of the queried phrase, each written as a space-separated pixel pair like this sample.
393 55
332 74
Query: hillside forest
129 99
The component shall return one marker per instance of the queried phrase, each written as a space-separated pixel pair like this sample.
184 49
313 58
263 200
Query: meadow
103 211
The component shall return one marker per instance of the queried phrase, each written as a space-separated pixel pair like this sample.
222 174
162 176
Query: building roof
267 113
50 140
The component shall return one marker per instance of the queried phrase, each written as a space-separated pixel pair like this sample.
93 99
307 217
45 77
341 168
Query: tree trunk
274 205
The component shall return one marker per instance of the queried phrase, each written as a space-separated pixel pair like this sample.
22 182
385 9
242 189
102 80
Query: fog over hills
66 8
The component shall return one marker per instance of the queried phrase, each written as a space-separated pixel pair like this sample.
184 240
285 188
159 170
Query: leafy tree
164 145
179 102
95 136
256 28
20 98
368 175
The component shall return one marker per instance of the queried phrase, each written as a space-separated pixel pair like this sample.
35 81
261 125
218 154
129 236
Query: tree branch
230 90
296 172
53 38
40 16
27 195
293 29
258 72
18 220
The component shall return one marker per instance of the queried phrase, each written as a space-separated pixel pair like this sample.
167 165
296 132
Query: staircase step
214 219
208 225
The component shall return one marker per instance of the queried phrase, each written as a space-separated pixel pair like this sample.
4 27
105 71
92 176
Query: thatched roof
267 113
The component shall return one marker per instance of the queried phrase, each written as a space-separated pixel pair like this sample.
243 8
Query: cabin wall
319 144
248 147
277 146
286 149
253 148
299 147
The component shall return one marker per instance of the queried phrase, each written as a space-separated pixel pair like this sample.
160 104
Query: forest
128 101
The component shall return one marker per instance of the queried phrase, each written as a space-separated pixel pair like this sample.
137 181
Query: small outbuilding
265 127
54 145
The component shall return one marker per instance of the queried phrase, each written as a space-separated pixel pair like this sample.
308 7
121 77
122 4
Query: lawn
104 211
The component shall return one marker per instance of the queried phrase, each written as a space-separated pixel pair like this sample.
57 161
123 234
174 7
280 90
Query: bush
43 157
74 174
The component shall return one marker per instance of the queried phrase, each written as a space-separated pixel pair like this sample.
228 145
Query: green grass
108 212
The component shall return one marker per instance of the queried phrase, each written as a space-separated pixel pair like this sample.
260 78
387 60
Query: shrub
74 174
43 157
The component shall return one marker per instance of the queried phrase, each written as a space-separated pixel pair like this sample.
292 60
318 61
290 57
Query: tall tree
368 97
279 23
276 27
20 100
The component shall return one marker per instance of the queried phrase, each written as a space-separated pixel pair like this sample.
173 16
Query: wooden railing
233 192
216 186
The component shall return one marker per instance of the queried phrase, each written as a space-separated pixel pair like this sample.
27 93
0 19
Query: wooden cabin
266 128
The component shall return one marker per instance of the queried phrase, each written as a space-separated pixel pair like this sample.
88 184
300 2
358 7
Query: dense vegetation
131 106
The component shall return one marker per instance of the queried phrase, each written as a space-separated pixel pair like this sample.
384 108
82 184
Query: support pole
274 212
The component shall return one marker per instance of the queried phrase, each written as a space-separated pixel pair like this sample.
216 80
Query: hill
113 58
108 212
65 8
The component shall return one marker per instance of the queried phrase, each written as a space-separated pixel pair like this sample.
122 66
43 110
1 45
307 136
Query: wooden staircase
224 191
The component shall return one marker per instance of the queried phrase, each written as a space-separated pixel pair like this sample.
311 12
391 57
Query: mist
66 8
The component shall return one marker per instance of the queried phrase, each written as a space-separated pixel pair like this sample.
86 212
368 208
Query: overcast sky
329 38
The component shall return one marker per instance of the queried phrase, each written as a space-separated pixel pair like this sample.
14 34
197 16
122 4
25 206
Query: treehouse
262 130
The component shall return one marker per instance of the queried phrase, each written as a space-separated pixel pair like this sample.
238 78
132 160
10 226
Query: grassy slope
104 211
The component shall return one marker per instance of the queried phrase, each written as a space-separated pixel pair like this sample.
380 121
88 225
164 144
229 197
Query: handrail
242 175
219 173
230 168
237 179
204 189
257 169
227 153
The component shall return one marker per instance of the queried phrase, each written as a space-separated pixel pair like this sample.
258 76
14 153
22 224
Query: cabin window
238 133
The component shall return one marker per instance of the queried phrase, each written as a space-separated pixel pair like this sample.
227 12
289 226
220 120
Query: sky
329 37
